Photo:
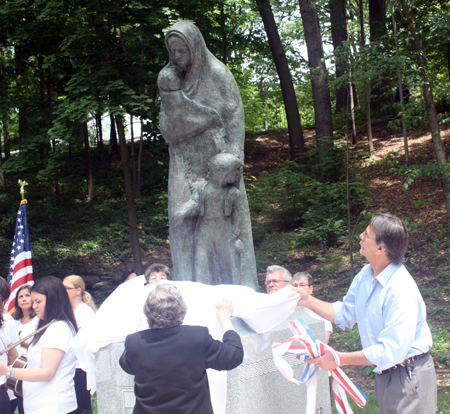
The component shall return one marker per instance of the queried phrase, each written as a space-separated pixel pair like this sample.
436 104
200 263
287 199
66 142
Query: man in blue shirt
385 302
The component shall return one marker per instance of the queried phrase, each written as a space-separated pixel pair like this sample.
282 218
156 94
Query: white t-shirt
25 329
83 314
56 396
4 342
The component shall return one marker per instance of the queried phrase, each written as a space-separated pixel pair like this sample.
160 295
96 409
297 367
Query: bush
291 198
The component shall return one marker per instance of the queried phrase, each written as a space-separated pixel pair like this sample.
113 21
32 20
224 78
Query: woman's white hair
165 307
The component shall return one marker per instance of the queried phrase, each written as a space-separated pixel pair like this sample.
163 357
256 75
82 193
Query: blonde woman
84 308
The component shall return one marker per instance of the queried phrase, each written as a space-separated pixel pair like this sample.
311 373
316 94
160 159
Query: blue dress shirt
390 313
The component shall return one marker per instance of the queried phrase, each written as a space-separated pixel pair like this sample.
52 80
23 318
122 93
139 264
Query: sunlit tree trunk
429 100
378 29
319 82
338 22
366 83
87 152
296 141
2 174
5 115
101 150
132 223
139 163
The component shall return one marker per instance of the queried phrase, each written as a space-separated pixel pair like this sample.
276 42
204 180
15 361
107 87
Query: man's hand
326 361
304 296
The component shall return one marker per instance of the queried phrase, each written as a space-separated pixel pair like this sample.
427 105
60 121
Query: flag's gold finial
22 190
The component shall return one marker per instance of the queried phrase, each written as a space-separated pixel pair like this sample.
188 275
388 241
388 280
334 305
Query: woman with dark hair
127 275
25 316
48 386
170 381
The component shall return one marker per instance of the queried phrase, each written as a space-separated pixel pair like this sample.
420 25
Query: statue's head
180 55
224 169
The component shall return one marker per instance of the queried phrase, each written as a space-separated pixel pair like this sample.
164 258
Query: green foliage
410 173
371 406
441 344
290 196
349 337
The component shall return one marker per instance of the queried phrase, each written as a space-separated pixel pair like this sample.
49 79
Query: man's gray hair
303 275
165 307
286 274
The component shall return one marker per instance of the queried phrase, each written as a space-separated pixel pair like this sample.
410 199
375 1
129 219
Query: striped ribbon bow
305 346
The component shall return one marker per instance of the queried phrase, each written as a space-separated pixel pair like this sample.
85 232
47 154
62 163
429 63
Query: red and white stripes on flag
305 346
20 269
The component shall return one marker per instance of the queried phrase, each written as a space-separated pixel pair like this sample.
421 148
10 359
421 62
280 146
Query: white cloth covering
56 396
120 314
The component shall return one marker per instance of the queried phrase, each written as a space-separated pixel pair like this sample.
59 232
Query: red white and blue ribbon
305 346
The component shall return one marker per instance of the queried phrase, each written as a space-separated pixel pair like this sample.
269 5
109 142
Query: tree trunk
43 104
5 115
448 57
296 141
320 90
377 24
429 100
366 83
57 189
113 145
399 77
87 151
2 174
133 158
338 22
139 163
224 35
129 197
51 97
98 121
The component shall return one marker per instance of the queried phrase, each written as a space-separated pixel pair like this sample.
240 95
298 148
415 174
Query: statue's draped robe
122 311
202 119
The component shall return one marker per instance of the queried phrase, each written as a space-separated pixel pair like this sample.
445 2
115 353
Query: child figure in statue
217 204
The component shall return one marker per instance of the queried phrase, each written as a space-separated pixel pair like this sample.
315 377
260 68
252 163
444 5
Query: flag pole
20 264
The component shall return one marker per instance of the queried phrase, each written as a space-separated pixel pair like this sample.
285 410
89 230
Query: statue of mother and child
202 119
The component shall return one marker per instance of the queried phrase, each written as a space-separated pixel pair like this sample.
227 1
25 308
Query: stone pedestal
256 386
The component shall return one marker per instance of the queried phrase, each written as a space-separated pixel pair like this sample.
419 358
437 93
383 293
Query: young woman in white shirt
26 323
25 316
84 309
48 386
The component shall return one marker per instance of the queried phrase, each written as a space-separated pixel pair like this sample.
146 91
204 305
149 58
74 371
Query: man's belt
403 363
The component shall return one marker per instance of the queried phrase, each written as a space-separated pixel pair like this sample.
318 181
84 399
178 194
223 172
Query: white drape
121 312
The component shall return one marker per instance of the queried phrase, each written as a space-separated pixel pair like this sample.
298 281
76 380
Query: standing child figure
217 203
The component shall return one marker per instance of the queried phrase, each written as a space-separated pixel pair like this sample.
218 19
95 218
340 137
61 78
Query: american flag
20 269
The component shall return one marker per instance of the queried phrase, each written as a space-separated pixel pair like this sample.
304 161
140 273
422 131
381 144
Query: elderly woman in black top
169 360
